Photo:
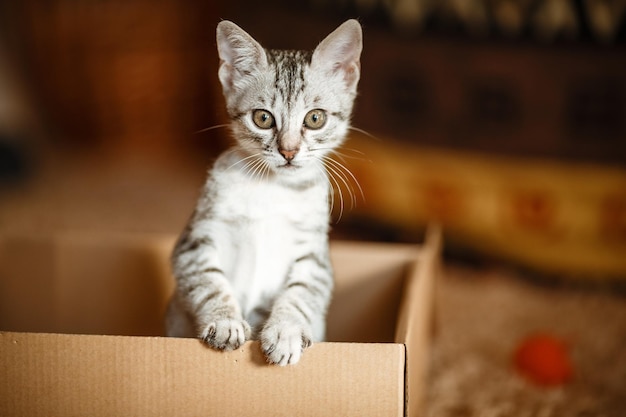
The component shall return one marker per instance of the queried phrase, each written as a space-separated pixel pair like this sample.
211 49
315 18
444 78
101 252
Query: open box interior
120 285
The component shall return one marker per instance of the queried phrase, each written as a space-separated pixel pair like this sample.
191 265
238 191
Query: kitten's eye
315 119
263 119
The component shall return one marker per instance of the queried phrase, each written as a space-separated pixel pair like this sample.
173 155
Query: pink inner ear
351 73
340 51
225 75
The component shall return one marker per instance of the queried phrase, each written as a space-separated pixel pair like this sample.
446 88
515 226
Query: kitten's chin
296 172
290 171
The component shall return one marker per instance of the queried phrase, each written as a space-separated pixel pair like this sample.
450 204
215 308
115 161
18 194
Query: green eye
263 119
315 119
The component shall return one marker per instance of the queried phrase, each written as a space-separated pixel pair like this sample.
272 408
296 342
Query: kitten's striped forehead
289 74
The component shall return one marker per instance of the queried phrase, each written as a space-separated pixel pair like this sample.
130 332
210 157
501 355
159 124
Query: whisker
243 159
212 128
266 170
343 156
258 166
338 190
249 166
366 133
263 170
343 179
331 189
339 152
331 193
351 150
345 169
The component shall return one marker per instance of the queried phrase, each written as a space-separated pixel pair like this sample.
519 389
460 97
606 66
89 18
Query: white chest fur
260 228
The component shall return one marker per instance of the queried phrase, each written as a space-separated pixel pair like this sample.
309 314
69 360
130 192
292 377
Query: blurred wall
125 75
503 120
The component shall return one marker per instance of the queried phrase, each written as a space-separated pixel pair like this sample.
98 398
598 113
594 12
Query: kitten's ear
341 51
239 54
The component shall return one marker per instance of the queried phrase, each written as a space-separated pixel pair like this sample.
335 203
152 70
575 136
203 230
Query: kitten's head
289 108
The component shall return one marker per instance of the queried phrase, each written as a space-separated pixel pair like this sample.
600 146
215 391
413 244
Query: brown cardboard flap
70 375
415 321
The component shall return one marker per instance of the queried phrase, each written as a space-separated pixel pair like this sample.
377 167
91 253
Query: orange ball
544 360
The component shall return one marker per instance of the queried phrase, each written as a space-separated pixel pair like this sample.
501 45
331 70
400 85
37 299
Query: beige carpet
482 315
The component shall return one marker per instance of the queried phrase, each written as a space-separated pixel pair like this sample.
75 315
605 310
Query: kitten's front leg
207 295
218 317
298 315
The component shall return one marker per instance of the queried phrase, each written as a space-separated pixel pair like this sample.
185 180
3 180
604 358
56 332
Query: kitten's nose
288 154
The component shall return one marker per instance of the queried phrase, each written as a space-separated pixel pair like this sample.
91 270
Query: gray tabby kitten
253 261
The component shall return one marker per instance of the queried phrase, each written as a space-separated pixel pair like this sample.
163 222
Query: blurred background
504 120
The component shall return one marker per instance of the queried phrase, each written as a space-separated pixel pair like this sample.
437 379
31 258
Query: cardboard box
81 315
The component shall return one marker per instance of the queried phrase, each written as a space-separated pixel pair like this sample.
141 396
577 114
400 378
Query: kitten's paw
226 334
284 344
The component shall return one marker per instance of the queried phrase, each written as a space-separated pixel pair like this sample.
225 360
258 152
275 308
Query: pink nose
288 154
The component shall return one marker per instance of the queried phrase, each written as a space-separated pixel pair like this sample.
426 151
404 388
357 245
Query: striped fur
253 261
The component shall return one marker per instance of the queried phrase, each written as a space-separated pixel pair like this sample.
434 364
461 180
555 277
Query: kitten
253 261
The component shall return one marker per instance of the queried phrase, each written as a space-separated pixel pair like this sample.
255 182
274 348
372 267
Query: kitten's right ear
239 54
340 52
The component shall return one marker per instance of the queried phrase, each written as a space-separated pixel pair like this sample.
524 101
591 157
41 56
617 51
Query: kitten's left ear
341 52
240 55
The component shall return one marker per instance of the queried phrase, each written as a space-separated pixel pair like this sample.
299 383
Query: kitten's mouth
289 165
